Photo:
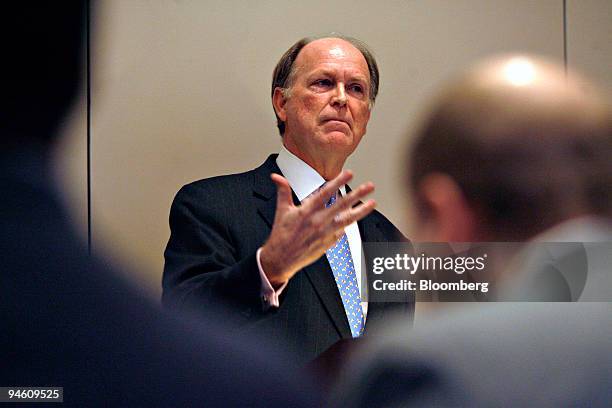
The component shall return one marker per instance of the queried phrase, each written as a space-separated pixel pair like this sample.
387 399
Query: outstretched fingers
342 219
343 209
352 214
354 196
283 192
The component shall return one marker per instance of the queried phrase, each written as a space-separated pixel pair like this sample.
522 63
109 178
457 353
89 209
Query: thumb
283 192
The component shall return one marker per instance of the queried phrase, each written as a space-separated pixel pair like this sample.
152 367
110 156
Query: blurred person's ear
449 217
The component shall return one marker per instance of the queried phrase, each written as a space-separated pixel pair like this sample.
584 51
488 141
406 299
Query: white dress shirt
304 180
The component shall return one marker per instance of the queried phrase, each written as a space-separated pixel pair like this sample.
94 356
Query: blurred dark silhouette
69 320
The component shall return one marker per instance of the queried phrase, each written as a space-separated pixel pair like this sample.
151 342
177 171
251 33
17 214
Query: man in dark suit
69 320
281 244
517 149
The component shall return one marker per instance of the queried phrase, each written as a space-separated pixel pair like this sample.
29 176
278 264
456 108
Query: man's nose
339 97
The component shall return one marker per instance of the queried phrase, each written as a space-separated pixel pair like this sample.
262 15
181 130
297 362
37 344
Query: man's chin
339 137
336 125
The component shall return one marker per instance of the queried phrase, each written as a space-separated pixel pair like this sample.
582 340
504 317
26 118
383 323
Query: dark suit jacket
217 225
68 320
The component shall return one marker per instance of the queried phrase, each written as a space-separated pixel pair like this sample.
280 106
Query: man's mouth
336 121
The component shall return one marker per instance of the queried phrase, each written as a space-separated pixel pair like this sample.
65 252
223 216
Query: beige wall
589 39
181 92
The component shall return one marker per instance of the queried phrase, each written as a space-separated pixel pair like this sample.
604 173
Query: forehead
331 53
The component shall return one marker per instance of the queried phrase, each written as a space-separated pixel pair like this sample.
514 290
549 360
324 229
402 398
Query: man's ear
450 217
278 101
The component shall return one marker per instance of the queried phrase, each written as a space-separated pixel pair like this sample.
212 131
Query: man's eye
323 82
356 88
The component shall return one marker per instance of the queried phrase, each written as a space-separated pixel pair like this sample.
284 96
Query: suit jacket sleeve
201 268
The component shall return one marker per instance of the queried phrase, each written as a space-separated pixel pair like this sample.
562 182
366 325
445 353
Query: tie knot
331 201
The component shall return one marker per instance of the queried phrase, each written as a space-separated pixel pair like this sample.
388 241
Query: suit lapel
319 273
322 279
264 189
370 232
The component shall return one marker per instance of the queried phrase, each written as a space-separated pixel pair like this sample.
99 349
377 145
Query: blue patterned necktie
341 262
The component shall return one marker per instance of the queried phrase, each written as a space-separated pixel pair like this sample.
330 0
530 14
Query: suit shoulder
233 184
228 185
236 180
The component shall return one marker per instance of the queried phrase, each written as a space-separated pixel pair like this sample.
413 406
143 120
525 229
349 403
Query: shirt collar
302 178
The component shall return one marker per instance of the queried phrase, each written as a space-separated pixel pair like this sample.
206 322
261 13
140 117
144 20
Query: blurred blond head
510 148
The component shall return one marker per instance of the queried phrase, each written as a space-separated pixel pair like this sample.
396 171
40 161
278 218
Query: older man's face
327 110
